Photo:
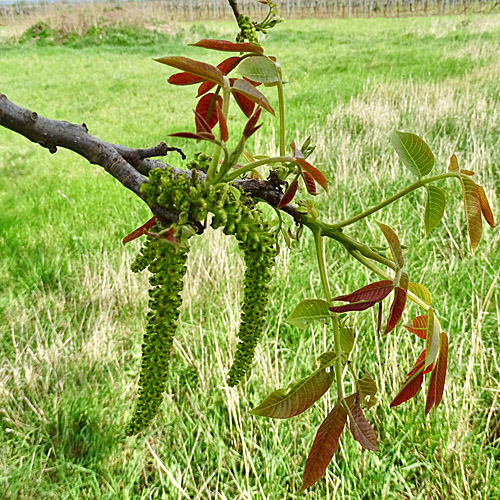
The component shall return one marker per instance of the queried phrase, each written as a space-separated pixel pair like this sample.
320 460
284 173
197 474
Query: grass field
72 313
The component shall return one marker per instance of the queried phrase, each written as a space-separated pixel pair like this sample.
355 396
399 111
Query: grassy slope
72 314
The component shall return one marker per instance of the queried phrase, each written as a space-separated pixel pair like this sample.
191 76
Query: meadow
72 313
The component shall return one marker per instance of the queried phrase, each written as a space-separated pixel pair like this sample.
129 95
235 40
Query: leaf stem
281 107
255 164
412 187
320 254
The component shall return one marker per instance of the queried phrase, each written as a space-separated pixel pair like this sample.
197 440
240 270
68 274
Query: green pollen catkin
168 268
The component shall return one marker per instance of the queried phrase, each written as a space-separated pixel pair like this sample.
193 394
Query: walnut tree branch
129 166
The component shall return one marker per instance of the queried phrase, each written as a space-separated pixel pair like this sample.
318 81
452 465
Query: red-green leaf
361 429
310 184
485 207
372 292
398 304
297 153
354 306
473 211
453 165
316 174
250 92
436 385
418 326
227 46
225 66
394 244
185 79
301 395
410 388
324 446
367 386
467 172
259 69
432 338
197 68
419 364
140 230
206 108
289 194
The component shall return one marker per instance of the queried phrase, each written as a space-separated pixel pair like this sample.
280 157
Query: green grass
71 313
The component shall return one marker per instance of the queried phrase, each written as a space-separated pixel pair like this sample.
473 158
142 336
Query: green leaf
413 152
259 69
434 207
473 213
301 395
432 338
421 292
367 386
247 90
346 338
197 68
308 311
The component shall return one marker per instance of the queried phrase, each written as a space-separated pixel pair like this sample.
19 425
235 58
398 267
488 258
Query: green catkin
168 268
236 215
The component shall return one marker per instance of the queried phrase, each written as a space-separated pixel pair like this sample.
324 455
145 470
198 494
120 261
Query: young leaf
410 388
250 92
453 165
418 365
259 69
434 207
398 304
346 338
436 385
367 386
372 292
360 428
310 184
251 126
141 230
297 153
301 395
225 66
418 326
316 174
324 446
245 104
413 152
289 194
185 79
308 311
421 292
394 244
202 136
206 108
354 306
227 46
467 172
485 207
472 204
224 134
432 338
196 68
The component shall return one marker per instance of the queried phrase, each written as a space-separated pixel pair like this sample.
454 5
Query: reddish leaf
140 230
224 134
246 89
254 175
314 172
485 207
410 388
467 172
169 235
398 304
297 153
225 66
379 319
202 136
201 124
206 108
310 184
419 363
418 326
245 104
324 446
354 306
289 194
205 87
361 429
250 127
372 292
197 68
185 79
227 46
436 385
473 211
394 244
453 165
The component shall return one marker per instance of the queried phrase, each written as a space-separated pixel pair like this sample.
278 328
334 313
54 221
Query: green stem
255 164
412 187
281 107
320 253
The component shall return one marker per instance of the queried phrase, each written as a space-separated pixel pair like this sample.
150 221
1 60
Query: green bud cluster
201 161
248 30
167 265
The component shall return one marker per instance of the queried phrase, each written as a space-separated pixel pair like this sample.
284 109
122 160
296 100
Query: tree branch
129 166
234 7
